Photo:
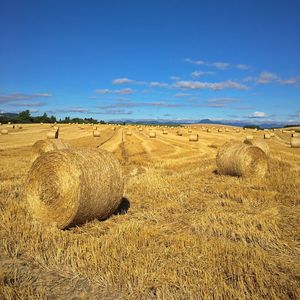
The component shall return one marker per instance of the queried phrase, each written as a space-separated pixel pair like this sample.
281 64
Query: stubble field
184 231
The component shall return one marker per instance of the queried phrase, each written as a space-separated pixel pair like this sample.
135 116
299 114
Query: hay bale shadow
123 207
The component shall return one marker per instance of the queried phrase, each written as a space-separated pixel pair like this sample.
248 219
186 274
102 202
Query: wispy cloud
139 104
28 104
266 77
125 80
181 95
5 98
220 102
176 78
218 64
158 84
291 81
198 85
202 73
125 91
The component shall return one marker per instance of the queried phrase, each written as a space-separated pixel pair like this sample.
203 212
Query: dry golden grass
188 233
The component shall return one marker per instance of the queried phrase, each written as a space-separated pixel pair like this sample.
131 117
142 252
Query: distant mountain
11 115
240 123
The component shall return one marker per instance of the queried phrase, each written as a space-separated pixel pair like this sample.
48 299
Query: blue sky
151 59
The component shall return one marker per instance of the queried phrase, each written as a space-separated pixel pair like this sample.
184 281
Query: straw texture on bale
69 187
260 144
96 133
52 134
4 131
295 142
194 138
43 146
238 159
152 134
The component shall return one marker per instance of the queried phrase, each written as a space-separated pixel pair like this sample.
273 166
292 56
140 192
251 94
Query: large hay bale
69 187
42 146
4 131
295 142
295 134
238 159
194 138
96 133
267 136
260 144
52 134
152 135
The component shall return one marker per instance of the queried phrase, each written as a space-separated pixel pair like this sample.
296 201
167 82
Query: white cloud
266 77
228 84
126 81
179 95
158 84
201 73
258 114
195 62
290 81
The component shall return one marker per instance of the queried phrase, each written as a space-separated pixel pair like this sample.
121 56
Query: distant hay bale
20 126
220 130
238 159
4 131
267 136
208 130
194 138
113 128
190 131
165 132
295 142
227 130
69 187
249 138
52 134
260 144
152 135
42 146
272 134
140 129
237 131
128 132
295 134
96 133
179 133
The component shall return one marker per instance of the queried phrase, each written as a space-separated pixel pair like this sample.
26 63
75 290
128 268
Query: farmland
184 231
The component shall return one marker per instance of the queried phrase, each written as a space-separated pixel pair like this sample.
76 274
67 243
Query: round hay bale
96 133
272 134
295 142
179 133
190 131
238 159
128 132
295 134
42 146
237 131
165 132
4 131
52 134
227 130
208 130
220 130
69 187
249 138
140 129
20 126
260 144
267 136
152 135
194 138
